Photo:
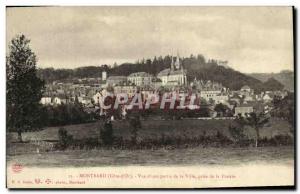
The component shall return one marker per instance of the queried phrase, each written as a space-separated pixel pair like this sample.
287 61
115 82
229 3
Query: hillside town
90 91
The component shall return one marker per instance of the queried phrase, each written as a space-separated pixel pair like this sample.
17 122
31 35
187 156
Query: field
26 152
153 128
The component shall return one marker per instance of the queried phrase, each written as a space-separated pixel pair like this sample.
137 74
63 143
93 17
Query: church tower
177 62
172 63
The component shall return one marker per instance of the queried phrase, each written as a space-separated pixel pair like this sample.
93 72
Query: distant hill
230 78
285 77
272 85
197 67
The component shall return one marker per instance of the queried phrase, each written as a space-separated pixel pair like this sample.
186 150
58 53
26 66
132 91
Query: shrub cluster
64 139
170 142
164 141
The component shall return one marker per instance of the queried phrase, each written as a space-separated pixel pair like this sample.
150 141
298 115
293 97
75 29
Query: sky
251 39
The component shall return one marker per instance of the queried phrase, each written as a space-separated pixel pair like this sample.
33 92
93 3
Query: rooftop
168 71
116 77
140 74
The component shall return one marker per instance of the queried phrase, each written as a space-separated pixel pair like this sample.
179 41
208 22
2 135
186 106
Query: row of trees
51 74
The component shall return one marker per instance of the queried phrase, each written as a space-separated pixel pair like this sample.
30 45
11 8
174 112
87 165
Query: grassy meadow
153 128
26 153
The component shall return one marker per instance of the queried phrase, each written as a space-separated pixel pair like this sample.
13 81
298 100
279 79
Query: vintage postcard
150 97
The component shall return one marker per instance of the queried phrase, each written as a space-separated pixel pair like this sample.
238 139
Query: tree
236 129
256 121
201 59
106 133
285 108
135 123
64 138
23 89
155 66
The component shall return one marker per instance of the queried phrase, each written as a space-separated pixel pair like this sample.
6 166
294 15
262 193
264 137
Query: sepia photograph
155 97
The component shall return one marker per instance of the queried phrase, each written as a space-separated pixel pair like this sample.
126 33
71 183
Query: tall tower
172 63
177 62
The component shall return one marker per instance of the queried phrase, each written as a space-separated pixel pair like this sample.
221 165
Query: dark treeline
196 66
64 114
273 84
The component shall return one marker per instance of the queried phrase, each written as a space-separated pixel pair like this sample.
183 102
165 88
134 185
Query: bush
106 133
237 133
65 140
135 123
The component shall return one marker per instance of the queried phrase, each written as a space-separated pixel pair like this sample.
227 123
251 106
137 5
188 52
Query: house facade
243 110
140 78
209 95
115 80
45 100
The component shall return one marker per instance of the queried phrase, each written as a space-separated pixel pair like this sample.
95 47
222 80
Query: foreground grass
193 156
